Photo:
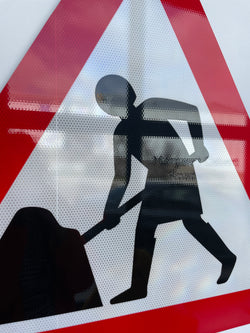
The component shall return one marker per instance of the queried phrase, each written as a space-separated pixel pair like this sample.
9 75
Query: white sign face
133 121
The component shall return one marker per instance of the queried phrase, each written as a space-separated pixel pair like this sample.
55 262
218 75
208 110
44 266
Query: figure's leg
143 254
206 235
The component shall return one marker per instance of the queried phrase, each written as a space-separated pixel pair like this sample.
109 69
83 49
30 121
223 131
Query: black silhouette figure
171 191
44 269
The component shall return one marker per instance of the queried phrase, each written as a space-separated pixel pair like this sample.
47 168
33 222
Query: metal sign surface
124 174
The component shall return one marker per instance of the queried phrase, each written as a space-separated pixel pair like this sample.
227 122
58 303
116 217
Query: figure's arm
161 109
122 166
200 151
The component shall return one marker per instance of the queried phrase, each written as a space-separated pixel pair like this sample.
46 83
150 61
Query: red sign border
203 316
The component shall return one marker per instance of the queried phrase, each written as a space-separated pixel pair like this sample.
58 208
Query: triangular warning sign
57 148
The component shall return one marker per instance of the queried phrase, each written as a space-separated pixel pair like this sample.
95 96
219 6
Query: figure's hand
111 220
200 155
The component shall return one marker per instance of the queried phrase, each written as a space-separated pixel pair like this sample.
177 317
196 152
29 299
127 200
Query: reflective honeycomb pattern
71 168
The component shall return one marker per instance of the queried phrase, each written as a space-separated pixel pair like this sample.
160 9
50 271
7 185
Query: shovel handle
99 227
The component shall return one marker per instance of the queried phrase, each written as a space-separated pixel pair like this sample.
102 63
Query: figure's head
115 95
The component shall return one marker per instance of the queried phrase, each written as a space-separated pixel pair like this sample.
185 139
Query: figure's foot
226 269
130 294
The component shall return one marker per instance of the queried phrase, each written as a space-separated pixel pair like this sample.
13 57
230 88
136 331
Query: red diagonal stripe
214 79
44 77
209 315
